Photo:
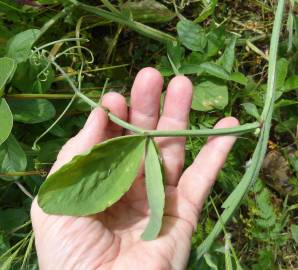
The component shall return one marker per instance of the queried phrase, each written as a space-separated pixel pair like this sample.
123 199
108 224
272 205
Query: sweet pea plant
98 178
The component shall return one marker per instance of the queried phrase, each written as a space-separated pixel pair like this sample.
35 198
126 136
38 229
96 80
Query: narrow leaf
210 261
207 11
227 59
251 109
281 72
94 180
239 78
155 191
6 120
215 70
207 68
175 53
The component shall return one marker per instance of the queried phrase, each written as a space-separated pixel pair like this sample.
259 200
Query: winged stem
235 198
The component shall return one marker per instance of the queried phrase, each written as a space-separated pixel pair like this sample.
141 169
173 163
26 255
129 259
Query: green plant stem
24 190
250 127
154 133
234 200
72 85
29 173
53 20
119 18
124 124
159 133
12 7
58 41
93 104
256 50
35 147
60 78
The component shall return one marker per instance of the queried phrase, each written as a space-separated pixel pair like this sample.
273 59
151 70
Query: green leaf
32 111
291 84
252 110
215 70
19 46
285 102
34 76
12 158
210 261
4 244
124 20
175 53
239 78
191 35
228 57
281 72
155 191
149 11
6 120
94 180
207 68
215 40
207 11
12 218
7 68
210 95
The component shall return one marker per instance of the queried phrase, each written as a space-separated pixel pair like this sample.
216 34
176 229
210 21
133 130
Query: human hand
111 239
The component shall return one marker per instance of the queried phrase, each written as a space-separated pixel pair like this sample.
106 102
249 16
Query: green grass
260 234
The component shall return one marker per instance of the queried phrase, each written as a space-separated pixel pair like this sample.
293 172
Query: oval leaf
12 159
210 95
19 46
155 191
95 180
6 120
191 35
7 67
32 111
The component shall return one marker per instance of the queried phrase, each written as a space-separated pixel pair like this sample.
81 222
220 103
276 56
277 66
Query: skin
111 239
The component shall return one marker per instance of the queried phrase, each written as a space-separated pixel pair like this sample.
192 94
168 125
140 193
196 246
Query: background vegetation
227 60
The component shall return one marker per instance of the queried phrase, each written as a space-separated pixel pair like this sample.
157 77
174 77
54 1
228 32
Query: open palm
111 240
